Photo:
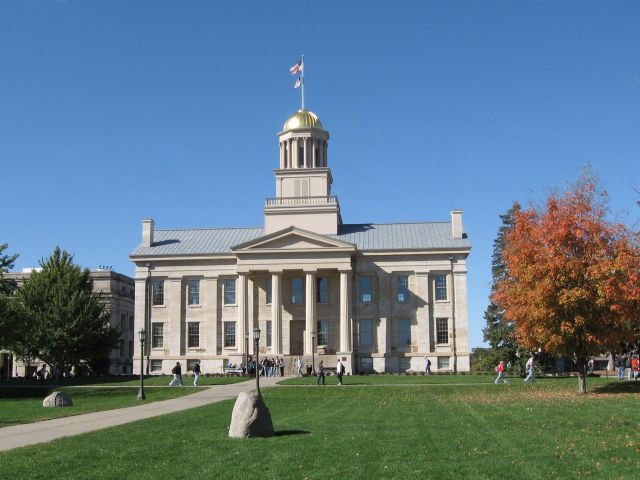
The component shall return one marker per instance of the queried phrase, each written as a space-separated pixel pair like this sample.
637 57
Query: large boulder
250 417
57 399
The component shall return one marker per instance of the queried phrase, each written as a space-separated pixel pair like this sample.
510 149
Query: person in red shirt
500 370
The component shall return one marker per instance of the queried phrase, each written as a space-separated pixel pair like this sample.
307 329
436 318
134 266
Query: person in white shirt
299 365
340 371
531 371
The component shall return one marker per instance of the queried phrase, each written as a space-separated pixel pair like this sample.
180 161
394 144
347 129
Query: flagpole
302 80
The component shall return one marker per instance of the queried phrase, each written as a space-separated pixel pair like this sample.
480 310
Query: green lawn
374 431
127 380
85 399
396 379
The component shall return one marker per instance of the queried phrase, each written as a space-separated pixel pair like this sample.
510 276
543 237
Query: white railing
296 201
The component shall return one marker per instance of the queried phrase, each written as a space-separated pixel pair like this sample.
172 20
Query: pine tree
66 321
7 287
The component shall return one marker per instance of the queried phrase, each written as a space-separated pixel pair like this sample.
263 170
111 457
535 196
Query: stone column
241 321
310 310
294 152
345 330
281 155
276 313
174 301
314 152
211 315
422 311
139 322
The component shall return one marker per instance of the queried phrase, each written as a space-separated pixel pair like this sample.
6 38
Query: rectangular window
121 352
404 332
193 335
193 292
269 334
443 363
322 290
323 332
156 366
366 365
123 322
229 286
366 333
191 364
229 334
366 289
130 348
297 291
441 287
157 337
269 290
157 292
442 330
403 288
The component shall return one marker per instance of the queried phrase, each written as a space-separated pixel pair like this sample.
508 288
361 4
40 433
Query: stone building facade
382 297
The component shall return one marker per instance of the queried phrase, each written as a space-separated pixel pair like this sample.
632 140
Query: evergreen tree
7 287
66 321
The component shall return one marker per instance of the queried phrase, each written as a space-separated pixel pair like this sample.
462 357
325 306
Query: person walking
500 369
177 375
530 370
281 365
340 371
321 373
627 364
299 365
619 363
427 366
196 373
635 366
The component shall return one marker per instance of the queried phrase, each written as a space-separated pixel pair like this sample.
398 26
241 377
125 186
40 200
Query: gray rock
250 417
57 399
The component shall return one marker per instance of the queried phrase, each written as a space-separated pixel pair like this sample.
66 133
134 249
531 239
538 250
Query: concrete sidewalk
47 430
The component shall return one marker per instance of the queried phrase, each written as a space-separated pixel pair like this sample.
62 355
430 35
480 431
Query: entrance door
297 337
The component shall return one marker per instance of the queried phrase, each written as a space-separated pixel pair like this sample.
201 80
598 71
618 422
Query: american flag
297 83
296 68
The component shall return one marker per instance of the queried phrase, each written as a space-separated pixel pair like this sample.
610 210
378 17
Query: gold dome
303 119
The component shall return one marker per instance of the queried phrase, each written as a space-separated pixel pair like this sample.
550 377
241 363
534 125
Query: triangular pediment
293 238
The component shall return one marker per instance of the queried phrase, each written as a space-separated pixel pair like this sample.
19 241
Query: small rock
250 417
57 399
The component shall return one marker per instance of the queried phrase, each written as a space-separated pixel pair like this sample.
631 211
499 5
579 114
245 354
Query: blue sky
114 111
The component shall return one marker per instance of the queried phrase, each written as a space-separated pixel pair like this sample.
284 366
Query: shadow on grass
283 433
618 387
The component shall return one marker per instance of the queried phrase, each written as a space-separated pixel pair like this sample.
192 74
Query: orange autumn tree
573 278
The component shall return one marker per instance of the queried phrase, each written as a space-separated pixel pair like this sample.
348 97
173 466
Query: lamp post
256 341
246 352
313 352
142 335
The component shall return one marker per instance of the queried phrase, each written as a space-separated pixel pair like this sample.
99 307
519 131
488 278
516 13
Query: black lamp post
313 352
246 352
142 335
256 340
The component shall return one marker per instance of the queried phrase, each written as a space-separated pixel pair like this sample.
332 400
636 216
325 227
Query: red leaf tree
573 278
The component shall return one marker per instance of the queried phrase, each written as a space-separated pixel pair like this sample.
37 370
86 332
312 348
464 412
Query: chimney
147 232
456 224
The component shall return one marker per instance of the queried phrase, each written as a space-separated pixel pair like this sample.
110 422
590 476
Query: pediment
293 239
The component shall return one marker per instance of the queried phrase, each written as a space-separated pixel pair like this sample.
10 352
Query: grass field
127 380
371 431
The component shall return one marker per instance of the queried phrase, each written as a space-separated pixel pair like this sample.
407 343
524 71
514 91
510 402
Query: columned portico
310 310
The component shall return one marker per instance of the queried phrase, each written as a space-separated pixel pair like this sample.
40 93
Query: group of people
629 364
272 367
502 369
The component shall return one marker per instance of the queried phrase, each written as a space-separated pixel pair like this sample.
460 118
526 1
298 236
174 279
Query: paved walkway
47 430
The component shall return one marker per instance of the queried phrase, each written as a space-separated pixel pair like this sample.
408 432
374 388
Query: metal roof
366 236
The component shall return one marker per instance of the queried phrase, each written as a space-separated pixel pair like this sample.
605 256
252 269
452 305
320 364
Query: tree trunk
581 363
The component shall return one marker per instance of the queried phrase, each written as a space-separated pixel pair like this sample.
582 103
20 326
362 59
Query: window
365 289
441 287
322 290
130 348
297 291
193 335
269 337
191 364
156 366
404 332
366 333
269 290
442 330
121 352
229 334
157 292
157 337
323 332
229 286
404 364
443 363
366 364
193 292
123 322
403 288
